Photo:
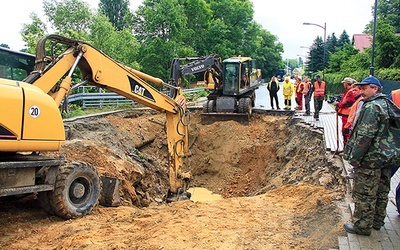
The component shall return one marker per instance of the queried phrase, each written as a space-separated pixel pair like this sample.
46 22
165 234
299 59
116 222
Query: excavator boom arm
102 71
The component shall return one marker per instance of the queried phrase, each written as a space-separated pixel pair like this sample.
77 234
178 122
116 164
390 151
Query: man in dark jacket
372 149
273 88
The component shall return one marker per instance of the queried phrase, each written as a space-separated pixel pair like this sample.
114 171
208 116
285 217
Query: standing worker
288 90
395 97
352 119
299 93
319 95
372 149
273 88
307 92
343 107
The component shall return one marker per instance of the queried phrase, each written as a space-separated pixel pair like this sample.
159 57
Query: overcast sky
283 18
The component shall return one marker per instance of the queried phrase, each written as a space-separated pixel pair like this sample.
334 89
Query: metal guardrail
100 98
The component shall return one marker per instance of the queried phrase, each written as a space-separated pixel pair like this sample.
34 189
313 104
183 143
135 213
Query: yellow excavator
30 122
231 84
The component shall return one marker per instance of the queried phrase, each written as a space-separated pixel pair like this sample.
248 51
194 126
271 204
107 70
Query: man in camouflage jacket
371 150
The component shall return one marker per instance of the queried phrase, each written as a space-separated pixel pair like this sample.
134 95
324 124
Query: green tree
316 56
120 45
160 28
389 11
387 45
232 22
199 16
31 33
268 54
71 18
116 11
336 59
97 30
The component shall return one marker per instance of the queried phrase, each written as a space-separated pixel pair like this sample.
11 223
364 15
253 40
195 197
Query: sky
283 18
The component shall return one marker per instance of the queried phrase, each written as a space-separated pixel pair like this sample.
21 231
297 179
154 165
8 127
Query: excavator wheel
76 192
245 106
205 106
208 106
211 106
44 200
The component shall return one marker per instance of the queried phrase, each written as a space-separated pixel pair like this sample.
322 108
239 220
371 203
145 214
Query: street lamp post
302 63
310 54
323 61
371 69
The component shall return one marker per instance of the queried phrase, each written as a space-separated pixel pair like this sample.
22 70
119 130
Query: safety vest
306 88
345 111
396 97
352 113
319 88
300 87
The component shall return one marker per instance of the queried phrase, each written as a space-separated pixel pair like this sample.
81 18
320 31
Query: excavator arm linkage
100 70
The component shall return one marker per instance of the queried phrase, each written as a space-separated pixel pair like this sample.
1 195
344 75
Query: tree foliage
116 11
71 18
74 19
31 33
389 11
387 46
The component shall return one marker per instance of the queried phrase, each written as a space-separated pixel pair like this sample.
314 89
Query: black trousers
274 95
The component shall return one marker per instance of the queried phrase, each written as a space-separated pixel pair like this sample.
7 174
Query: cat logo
139 90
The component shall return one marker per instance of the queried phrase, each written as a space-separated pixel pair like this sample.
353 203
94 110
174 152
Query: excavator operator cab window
15 65
231 78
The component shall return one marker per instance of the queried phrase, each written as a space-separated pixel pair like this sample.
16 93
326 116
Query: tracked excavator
30 123
231 84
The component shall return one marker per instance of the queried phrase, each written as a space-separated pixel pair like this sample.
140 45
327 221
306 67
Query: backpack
394 113
394 129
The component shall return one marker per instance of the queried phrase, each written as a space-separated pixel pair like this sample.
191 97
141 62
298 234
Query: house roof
361 41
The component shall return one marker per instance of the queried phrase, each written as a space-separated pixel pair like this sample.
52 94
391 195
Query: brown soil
281 189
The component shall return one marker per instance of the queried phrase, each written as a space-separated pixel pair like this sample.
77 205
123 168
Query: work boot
376 228
350 229
350 175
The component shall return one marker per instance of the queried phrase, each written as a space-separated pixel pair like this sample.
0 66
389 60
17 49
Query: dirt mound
281 188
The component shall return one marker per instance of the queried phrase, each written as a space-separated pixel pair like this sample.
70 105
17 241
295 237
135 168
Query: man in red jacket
343 107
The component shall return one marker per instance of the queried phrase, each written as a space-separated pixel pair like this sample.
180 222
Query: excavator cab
236 99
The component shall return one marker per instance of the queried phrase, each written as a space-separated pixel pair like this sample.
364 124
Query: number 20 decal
34 111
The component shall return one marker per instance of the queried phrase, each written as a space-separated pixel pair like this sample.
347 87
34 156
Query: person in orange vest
343 107
299 93
351 120
319 96
395 97
354 111
307 92
288 90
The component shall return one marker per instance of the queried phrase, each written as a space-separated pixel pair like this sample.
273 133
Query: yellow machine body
29 119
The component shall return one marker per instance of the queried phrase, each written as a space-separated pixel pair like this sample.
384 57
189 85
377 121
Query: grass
75 110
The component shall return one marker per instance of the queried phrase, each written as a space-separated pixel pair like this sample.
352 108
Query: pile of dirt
281 189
